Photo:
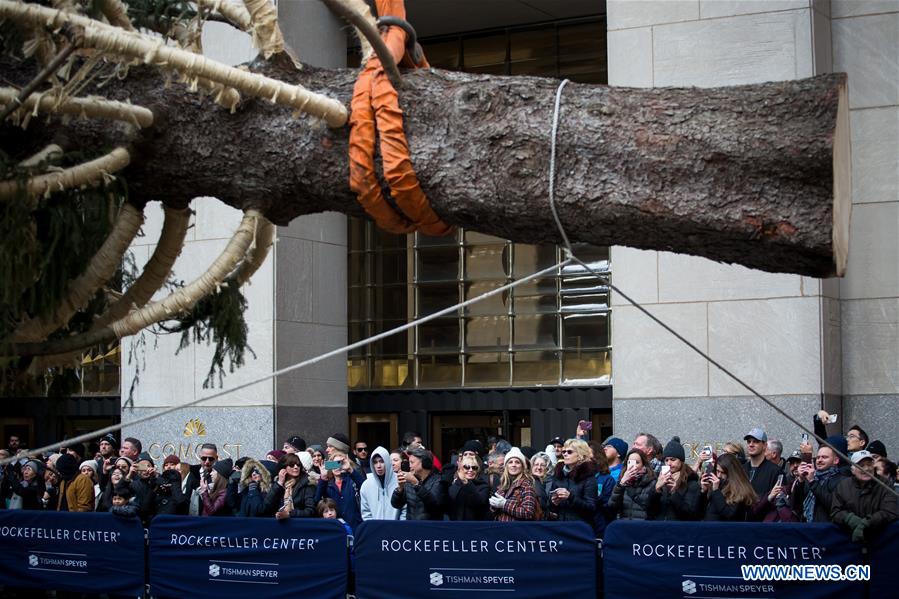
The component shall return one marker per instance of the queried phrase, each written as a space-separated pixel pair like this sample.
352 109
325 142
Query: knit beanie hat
34 465
840 442
472 445
516 453
277 454
129 461
877 447
224 467
66 466
145 457
337 442
92 464
171 459
305 460
674 449
619 445
110 438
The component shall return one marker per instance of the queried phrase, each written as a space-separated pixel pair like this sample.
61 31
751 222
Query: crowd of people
572 479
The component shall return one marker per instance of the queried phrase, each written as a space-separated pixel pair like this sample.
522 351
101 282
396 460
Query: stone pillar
296 305
780 333
866 46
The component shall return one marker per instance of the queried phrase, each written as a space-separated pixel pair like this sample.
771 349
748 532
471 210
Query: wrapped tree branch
87 173
90 107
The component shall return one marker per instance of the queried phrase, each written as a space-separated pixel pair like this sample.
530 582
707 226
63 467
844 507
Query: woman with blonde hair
515 497
572 491
469 493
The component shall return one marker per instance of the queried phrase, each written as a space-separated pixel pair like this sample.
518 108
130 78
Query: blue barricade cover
469 559
692 559
70 551
234 557
884 561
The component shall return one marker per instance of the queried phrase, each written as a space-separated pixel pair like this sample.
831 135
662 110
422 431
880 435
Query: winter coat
634 502
80 494
521 503
129 510
424 501
31 493
865 499
245 497
375 493
303 495
762 481
542 489
169 497
581 484
823 492
212 503
346 497
678 505
469 501
605 484
144 491
718 508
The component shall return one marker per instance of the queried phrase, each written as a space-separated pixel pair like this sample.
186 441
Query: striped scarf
808 504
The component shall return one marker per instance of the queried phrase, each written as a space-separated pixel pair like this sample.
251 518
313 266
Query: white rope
409 325
604 278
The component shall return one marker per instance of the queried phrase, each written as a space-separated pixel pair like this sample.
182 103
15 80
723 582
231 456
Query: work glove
852 521
858 533
497 502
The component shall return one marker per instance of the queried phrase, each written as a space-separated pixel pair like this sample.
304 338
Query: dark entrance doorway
451 431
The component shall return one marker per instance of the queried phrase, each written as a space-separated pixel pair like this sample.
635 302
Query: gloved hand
497 501
852 521
858 533
252 486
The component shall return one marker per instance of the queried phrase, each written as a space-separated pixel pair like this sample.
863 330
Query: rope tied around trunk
375 114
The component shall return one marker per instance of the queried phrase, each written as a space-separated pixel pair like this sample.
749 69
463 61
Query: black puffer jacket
424 501
679 505
634 502
581 483
469 501
303 498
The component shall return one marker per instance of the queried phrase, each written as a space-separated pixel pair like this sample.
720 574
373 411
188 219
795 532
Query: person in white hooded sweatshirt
377 489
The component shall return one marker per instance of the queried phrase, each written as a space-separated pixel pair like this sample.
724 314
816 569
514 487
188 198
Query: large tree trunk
757 174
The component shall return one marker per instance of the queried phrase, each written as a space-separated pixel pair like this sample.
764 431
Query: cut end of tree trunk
842 183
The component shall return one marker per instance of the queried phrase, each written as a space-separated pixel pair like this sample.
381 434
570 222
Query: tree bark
756 175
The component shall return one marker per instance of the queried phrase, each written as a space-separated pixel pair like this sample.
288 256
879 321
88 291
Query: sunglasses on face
567 451
207 459
361 449
470 467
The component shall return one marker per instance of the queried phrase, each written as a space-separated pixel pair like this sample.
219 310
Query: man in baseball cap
860 505
294 444
762 473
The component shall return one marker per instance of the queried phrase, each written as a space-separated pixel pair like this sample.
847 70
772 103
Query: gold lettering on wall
188 451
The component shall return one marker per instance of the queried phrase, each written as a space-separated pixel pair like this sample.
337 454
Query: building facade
516 366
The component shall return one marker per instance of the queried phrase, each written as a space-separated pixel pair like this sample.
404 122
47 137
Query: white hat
858 456
516 453
305 460
92 464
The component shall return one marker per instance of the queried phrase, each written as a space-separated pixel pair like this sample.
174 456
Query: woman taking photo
515 497
572 491
728 492
30 486
677 488
291 495
469 493
632 497
213 494
116 476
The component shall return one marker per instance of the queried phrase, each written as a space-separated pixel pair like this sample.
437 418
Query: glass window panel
495 304
585 330
392 372
436 296
356 271
439 371
357 373
437 264
357 303
485 53
394 345
535 368
487 370
439 336
487 333
387 241
473 238
584 298
528 259
534 52
389 302
536 297
587 367
443 54
422 240
356 233
389 268
486 262
533 331
582 52
357 331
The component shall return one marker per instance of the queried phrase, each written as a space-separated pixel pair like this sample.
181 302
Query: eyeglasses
207 459
361 449
852 438
293 466
470 467
567 451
